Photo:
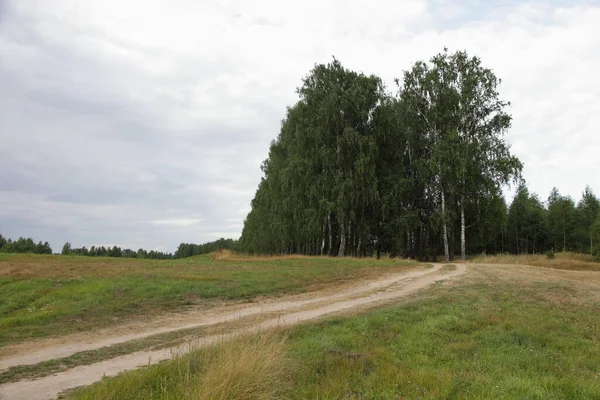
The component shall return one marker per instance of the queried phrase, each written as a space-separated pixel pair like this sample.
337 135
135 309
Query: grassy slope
55 295
494 337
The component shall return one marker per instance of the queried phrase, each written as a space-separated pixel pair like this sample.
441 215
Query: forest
23 245
183 250
420 173
190 249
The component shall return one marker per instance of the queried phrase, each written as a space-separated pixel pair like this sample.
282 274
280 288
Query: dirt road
290 310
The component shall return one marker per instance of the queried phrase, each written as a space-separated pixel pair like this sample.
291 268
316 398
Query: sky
144 123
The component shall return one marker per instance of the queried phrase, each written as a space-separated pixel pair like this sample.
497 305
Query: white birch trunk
463 242
330 235
323 241
445 229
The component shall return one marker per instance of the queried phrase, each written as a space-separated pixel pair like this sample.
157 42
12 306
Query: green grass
484 339
57 365
54 295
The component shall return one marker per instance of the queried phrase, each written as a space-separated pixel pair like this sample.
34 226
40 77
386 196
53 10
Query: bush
550 254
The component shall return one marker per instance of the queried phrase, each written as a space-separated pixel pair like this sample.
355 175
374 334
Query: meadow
562 260
48 295
501 332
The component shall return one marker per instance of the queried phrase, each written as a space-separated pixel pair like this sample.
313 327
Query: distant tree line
184 250
356 170
23 245
558 224
115 251
27 245
190 249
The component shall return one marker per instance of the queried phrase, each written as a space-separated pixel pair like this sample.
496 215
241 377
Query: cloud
143 124
177 221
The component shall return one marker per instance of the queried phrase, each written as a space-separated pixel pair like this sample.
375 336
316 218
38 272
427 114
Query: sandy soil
291 310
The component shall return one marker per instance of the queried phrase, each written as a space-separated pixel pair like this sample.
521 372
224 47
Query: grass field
567 261
500 333
56 295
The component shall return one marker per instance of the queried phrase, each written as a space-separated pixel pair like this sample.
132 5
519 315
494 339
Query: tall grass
249 368
563 260
252 367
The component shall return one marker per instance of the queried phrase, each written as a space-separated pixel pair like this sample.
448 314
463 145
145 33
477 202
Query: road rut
361 295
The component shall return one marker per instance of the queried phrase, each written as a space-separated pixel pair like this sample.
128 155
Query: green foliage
66 250
358 171
562 221
23 245
550 254
595 235
115 251
526 229
190 249
184 250
588 210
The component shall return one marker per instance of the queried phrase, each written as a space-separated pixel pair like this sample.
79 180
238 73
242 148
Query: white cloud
116 113
177 221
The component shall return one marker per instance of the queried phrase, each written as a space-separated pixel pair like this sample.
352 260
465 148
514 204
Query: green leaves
356 170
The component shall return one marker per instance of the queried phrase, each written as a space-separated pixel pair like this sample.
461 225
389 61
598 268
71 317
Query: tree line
27 245
23 245
190 249
356 170
183 250
558 224
115 251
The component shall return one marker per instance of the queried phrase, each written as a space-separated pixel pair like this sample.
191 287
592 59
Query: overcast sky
144 123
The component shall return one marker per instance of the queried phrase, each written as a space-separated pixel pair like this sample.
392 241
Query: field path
292 310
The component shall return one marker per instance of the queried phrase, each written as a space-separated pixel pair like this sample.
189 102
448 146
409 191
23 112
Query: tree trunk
342 251
418 243
463 243
330 235
445 229
350 244
323 239
564 239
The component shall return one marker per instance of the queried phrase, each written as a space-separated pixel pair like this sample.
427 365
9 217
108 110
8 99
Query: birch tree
483 160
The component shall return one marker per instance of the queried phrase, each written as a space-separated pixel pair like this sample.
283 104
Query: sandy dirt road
291 310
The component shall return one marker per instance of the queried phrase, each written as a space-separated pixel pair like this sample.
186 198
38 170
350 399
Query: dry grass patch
448 268
567 261
249 367
223 255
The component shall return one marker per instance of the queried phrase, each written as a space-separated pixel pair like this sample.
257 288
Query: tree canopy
23 245
356 170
